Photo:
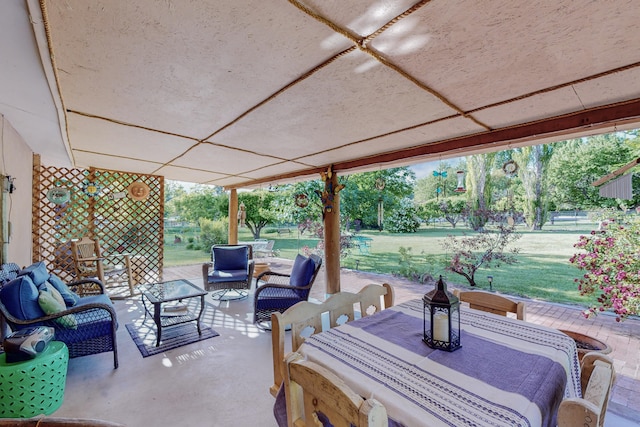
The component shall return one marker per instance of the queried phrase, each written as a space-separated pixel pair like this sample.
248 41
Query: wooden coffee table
158 294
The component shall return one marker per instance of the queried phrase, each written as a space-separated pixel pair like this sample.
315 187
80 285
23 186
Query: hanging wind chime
440 188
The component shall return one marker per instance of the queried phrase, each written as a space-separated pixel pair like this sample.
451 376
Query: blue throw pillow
20 297
70 298
302 271
37 272
230 258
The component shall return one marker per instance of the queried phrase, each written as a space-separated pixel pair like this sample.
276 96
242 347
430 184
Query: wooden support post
36 211
233 215
332 247
331 216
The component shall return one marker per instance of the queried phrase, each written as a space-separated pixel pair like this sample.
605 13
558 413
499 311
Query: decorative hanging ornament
91 189
301 200
380 213
510 168
138 191
59 195
242 214
380 184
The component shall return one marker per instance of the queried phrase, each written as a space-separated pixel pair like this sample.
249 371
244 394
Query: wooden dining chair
316 396
306 318
597 376
114 271
492 303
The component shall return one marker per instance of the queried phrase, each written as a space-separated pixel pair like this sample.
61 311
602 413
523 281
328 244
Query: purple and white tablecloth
507 373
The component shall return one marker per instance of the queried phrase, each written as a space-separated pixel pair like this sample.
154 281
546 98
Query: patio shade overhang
245 94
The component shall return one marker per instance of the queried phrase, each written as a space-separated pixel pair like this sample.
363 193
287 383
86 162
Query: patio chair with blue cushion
282 291
230 272
81 313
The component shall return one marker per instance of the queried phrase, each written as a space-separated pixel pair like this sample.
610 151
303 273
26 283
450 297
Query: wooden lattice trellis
121 223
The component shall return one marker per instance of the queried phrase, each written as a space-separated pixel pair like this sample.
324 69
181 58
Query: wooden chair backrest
305 319
313 392
597 377
492 303
86 256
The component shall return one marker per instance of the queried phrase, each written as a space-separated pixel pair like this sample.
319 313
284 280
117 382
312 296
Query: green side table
35 386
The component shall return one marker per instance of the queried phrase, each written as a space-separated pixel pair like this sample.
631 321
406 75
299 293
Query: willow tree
533 164
478 182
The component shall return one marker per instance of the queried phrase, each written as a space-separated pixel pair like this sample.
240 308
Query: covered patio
248 95
251 94
189 386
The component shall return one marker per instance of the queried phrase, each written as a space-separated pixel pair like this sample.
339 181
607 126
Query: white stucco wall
16 160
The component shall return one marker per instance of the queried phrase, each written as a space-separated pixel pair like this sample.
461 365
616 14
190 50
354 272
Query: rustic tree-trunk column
233 216
331 217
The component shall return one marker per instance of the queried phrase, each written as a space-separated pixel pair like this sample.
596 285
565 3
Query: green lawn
543 270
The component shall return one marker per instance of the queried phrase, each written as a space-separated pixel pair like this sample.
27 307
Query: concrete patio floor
622 337
224 381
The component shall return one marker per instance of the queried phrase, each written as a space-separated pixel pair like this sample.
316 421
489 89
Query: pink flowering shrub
610 259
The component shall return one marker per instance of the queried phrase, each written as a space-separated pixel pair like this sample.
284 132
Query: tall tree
478 180
203 201
259 210
359 199
295 203
578 163
173 191
533 163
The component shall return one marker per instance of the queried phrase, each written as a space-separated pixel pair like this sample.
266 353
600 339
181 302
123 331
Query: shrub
414 268
470 252
404 219
611 262
213 232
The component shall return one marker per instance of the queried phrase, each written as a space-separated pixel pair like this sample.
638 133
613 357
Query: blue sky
423 170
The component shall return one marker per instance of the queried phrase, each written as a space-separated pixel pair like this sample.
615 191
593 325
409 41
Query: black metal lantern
441 318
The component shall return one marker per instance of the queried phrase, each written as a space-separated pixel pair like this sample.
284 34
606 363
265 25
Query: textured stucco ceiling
243 93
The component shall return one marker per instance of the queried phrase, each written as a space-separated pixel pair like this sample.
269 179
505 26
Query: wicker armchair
281 291
230 272
93 317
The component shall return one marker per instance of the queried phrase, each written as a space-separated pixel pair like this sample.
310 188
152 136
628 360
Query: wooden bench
282 231
306 319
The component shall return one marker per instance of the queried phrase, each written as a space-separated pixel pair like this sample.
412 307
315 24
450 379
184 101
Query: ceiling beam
560 127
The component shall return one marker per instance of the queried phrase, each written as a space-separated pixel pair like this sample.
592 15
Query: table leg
156 318
200 314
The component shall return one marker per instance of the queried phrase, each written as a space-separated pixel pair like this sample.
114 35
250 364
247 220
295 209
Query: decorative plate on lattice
91 189
58 195
138 191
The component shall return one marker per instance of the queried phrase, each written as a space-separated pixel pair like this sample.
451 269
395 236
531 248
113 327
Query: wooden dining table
508 372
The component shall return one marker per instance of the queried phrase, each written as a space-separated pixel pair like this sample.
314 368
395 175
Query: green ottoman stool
35 386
